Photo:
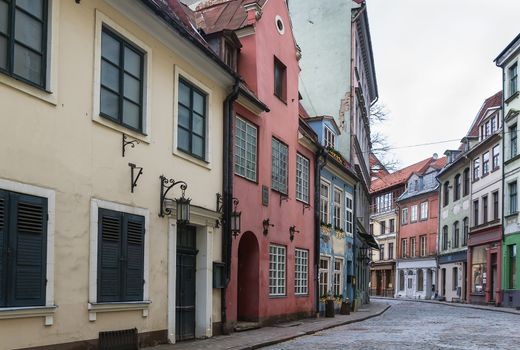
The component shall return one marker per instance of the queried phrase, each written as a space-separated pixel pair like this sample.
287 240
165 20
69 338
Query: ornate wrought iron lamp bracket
166 186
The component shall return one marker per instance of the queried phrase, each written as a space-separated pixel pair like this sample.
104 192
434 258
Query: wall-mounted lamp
292 231
183 203
266 224
235 219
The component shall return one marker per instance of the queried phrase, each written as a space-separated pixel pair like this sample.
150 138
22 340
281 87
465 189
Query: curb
303 333
467 306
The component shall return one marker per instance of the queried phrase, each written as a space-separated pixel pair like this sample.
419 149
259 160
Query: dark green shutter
134 272
27 243
3 246
109 255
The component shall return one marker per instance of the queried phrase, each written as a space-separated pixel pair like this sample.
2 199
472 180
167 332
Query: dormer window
329 138
230 55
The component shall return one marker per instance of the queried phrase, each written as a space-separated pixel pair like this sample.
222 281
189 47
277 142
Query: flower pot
329 308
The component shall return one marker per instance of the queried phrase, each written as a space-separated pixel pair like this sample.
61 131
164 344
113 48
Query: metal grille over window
276 270
279 164
301 263
191 131
122 72
302 178
245 149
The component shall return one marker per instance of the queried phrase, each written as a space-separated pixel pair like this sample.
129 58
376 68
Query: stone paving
417 326
265 336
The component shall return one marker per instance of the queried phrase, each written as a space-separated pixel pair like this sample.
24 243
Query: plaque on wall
265 195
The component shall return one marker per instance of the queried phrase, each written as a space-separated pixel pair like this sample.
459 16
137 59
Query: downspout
227 186
320 153
354 257
503 190
437 275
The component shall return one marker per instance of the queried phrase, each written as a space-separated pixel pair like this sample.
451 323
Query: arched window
456 188
456 234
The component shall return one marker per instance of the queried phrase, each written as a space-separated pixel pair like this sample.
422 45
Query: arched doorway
248 275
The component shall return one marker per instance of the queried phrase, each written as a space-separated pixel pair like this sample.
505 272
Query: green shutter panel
109 256
3 246
28 245
134 250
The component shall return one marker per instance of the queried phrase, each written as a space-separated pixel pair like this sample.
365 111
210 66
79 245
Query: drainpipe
354 257
227 197
440 198
320 153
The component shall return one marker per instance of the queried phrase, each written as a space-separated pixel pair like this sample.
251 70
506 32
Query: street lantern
235 219
183 210
183 203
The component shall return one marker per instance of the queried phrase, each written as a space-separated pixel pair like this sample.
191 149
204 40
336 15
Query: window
384 203
301 274
349 215
423 245
121 256
276 270
512 198
445 238
404 249
413 253
279 158
456 234
122 76
495 205
381 252
475 213
329 138
496 157
23 249
338 209
413 216
476 169
512 79
404 216
465 232
478 269
511 253
302 178
390 251
446 193
246 149
23 40
485 209
338 280
512 141
382 225
494 124
230 55
392 225
280 80
324 276
456 189
324 203
424 210
420 280
191 130
485 164
401 280
465 175
455 278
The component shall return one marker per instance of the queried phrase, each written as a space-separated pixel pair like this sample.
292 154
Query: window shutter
3 246
134 251
109 256
28 250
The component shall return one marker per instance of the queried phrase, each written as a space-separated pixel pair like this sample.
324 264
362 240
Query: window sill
29 89
277 296
94 308
197 161
281 99
512 159
512 97
122 129
31 311
511 215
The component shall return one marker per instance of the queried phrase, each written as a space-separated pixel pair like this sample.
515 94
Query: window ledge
197 161
512 97
94 308
511 215
31 311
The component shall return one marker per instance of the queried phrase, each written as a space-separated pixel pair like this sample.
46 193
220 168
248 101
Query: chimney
435 156
253 10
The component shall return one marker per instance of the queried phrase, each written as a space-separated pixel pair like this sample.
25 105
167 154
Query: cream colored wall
59 146
381 238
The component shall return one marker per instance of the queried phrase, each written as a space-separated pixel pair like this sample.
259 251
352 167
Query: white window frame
277 269
325 211
301 271
413 213
349 213
324 283
93 306
413 247
329 137
249 158
104 20
302 178
46 311
423 238
404 217
337 287
338 208
424 211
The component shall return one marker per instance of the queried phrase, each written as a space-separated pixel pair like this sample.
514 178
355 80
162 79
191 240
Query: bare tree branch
380 144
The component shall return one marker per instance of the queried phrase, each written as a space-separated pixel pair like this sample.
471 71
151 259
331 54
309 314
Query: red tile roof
218 15
439 163
491 102
399 177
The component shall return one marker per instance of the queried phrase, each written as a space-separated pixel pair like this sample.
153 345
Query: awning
366 237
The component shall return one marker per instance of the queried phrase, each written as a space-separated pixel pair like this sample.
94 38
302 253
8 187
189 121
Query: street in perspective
245 174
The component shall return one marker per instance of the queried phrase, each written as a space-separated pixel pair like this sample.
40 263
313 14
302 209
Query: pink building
272 259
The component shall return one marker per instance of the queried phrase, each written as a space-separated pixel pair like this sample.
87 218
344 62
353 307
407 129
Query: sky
434 67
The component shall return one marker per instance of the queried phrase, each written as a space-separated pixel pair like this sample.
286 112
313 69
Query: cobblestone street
415 325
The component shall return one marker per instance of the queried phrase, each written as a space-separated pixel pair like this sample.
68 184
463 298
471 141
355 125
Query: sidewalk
266 336
469 306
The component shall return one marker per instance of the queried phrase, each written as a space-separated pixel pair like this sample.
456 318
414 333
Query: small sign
265 195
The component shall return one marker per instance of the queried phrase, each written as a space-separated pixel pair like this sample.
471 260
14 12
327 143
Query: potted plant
326 228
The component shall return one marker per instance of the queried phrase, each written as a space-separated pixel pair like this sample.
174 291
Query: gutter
320 153
227 197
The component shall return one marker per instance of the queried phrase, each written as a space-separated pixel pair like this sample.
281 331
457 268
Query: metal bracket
134 178
283 197
166 186
126 143
305 206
